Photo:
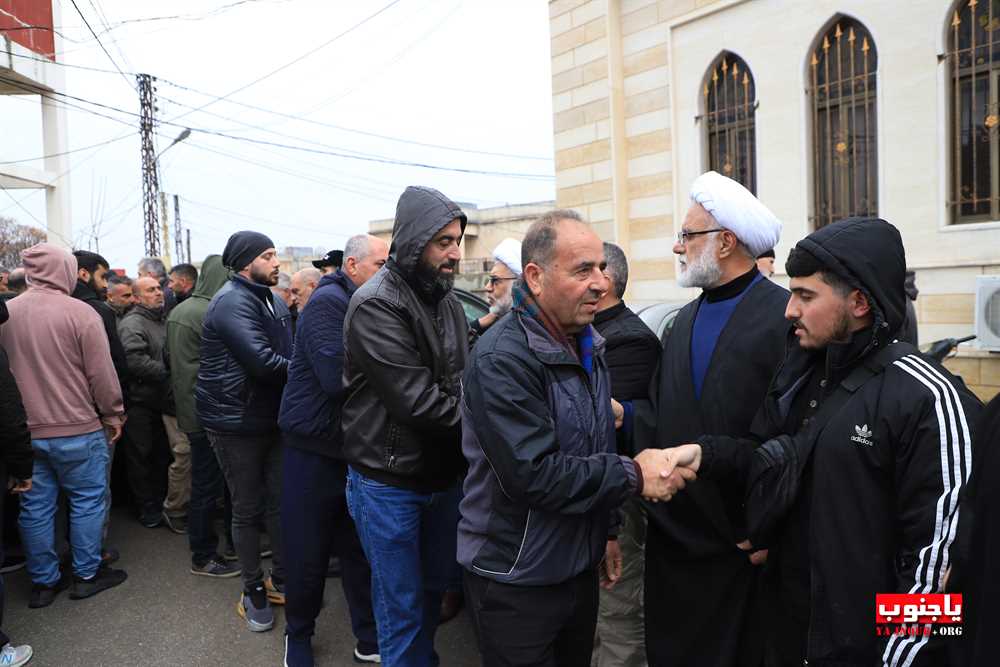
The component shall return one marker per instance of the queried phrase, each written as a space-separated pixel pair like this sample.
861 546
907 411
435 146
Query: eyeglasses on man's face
493 280
683 237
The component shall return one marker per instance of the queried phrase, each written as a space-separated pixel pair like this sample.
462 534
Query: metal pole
150 178
178 241
188 232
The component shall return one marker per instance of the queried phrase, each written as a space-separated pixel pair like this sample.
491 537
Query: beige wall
626 77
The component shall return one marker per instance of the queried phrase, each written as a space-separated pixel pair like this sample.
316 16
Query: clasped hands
667 471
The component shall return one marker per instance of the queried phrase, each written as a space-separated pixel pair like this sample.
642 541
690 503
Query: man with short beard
499 285
714 371
246 342
406 342
120 296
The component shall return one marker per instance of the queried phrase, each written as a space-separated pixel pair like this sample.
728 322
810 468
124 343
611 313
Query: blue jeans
410 540
78 466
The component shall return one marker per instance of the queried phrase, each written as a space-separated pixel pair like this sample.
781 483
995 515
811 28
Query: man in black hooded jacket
406 342
866 447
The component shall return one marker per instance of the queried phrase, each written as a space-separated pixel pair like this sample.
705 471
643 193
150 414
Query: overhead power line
101 44
294 60
280 114
341 152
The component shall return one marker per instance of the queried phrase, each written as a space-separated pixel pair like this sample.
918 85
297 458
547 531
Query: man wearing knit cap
714 372
245 347
499 293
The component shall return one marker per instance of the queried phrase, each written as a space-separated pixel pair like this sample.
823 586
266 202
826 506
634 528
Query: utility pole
188 231
150 178
178 240
166 231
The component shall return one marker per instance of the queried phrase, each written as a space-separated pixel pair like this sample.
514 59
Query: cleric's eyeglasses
493 280
684 237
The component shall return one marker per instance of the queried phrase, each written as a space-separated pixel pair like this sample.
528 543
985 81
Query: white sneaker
362 657
15 656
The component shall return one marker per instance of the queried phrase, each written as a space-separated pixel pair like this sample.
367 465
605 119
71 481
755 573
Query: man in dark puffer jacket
245 346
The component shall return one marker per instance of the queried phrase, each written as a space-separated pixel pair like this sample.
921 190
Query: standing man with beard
866 451
406 342
92 288
181 280
715 367
246 342
499 285
143 332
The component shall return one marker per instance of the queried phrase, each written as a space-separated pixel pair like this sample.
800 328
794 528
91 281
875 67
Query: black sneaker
105 578
43 596
109 556
150 515
230 553
176 524
12 563
216 567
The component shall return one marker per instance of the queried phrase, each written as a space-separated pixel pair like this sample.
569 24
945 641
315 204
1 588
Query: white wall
774 37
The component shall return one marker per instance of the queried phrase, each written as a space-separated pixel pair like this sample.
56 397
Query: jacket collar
546 348
262 292
610 313
155 315
340 278
84 292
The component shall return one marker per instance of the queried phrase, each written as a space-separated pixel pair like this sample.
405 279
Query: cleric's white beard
503 305
703 272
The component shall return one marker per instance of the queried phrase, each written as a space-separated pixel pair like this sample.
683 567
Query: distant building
29 45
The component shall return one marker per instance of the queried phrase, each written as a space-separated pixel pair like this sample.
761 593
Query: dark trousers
315 524
251 464
3 586
148 455
534 626
208 489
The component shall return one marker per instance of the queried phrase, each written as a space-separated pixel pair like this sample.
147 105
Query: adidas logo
862 436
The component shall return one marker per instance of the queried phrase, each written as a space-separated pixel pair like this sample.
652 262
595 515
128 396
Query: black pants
251 464
208 489
315 524
534 626
148 455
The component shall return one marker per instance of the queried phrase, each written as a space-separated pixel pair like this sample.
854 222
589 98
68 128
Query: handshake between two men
667 471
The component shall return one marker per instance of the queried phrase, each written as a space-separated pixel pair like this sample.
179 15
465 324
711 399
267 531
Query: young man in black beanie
245 347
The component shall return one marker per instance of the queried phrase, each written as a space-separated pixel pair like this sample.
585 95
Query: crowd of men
349 419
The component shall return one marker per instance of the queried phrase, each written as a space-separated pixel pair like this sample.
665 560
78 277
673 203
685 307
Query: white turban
735 208
509 252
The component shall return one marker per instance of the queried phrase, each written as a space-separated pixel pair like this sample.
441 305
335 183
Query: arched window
730 99
842 70
973 62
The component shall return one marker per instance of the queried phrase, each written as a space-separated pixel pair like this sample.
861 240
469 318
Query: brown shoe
451 603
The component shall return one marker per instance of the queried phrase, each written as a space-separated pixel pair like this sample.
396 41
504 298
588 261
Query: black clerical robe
700 590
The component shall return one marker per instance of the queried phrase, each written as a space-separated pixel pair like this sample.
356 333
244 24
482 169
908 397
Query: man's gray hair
284 281
539 244
358 247
153 265
309 274
115 279
617 268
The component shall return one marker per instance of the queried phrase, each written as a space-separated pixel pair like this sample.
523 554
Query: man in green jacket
207 485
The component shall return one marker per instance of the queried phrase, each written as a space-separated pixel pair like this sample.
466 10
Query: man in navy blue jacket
314 506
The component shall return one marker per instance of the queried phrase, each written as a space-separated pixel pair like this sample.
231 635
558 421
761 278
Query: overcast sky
468 74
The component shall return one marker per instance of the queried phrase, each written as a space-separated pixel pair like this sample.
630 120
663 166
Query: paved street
165 616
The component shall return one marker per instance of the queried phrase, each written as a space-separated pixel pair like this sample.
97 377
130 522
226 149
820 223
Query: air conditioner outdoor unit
988 312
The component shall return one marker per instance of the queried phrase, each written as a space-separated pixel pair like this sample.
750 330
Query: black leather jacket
405 348
246 342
